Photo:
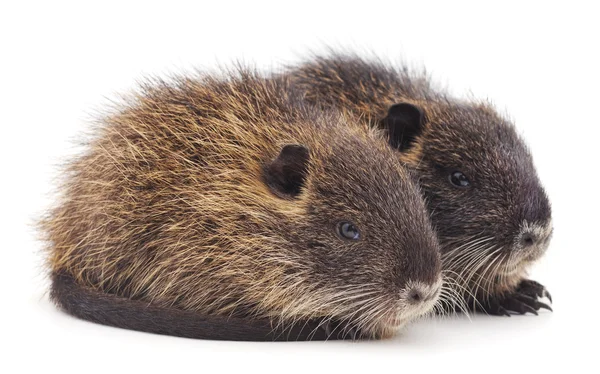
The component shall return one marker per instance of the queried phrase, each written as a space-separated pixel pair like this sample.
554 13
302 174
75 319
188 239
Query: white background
60 62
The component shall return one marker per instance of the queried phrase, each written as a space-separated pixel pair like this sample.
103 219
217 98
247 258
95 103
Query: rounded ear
287 173
403 123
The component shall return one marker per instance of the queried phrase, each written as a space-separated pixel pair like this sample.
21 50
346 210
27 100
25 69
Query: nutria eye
459 180
348 231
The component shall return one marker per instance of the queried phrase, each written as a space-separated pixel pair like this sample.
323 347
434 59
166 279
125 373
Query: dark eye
459 179
348 231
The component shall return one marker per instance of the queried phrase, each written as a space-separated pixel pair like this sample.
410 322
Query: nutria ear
403 123
286 174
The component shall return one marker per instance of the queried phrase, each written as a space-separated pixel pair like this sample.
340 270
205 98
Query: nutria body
491 213
230 198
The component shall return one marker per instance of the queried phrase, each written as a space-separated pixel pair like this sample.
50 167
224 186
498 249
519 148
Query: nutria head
364 252
491 213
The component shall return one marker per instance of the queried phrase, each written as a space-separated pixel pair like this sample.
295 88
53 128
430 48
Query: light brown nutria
228 197
491 213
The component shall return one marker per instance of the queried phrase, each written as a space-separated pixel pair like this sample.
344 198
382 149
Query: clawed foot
336 330
533 289
523 300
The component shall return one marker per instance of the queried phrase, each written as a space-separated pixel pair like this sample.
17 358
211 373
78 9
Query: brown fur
173 205
479 227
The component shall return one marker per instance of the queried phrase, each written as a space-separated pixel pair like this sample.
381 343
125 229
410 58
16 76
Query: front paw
339 331
533 289
524 299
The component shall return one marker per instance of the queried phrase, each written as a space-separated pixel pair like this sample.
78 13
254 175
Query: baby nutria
491 213
225 208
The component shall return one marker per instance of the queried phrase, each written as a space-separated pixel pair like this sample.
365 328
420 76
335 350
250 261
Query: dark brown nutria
491 213
230 198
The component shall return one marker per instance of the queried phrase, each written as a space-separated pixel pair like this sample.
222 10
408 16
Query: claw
545 306
519 304
532 302
548 296
530 309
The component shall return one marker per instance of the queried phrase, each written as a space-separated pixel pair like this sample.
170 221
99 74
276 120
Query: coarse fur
224 197
491 230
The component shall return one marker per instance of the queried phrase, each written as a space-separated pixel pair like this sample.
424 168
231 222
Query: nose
533 236
528 240
420 293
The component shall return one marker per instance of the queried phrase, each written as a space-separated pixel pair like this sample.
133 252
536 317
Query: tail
107 309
